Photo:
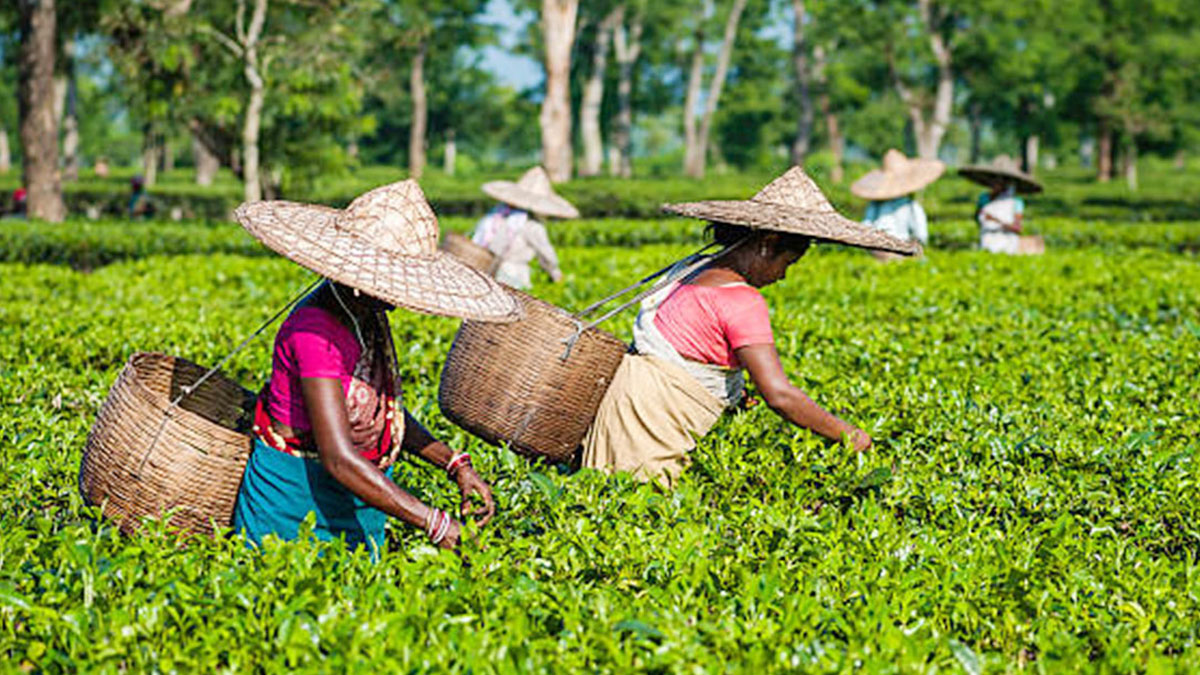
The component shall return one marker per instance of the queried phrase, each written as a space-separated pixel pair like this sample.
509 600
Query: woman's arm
420 442
1015 225
325 401
539 241
790 402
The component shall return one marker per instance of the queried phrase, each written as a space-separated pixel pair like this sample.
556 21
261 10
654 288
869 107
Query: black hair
727 234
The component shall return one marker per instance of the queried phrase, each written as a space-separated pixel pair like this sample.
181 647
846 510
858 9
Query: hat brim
992 177
514 195
431 284
822 225
880 185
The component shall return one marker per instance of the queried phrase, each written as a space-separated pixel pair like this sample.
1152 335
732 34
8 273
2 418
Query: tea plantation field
1030 504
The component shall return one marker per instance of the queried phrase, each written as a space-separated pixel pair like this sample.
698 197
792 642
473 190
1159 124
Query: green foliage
1029 499
1167 194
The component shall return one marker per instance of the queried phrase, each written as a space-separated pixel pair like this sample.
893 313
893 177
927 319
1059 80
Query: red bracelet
457 462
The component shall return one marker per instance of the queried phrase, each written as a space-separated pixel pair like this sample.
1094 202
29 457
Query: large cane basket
518 383
469 252
148 459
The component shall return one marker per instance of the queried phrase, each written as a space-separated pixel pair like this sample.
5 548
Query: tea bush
1166 193
87 245
1030 502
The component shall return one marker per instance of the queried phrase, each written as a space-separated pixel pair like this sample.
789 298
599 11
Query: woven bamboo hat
793 203
385 244
532 193
898 177
1002 170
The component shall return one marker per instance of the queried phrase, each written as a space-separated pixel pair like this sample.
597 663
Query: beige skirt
649 420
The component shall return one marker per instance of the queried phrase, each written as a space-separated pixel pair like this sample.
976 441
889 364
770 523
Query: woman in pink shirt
331 422
697 336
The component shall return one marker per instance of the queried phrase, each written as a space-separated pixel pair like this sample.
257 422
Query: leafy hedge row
87 245
1166 194
1030 502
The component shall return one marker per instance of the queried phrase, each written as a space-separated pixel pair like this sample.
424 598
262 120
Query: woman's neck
717 274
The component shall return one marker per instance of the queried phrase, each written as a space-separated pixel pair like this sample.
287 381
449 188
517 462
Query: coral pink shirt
311 342
706 323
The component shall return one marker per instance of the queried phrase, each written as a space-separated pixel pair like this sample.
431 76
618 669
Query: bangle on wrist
458 461
437 525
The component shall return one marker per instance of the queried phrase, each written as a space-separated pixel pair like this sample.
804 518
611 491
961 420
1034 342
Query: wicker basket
469 252
193 471
1031 245
508 383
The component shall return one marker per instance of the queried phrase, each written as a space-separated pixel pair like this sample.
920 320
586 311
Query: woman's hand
469 483
860 440
452 538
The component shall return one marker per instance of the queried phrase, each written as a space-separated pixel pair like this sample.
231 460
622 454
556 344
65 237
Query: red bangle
457 462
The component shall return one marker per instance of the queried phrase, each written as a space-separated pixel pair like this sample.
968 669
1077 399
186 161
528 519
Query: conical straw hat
1002 170
385 245
898 177
793 203
532 193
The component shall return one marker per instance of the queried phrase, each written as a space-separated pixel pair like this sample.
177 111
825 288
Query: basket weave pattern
507 383
193 471
475 256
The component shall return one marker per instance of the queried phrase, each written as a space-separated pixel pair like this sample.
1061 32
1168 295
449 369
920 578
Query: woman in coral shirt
696 338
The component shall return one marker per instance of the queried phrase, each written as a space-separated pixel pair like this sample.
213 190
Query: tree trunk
150 155
837 144
975 116
1104 148
558 32
71 116
420 112
804 123
1180 161
715 87
628 46
167 153
450 154
1130 159
1030 153
5 152
39 127
593 97
928 130
695 80
252 124
205 160
252 186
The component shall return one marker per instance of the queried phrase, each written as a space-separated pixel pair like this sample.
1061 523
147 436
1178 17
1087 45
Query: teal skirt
279 490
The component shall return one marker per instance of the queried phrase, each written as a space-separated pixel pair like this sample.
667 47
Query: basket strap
187 390
637 284
701 261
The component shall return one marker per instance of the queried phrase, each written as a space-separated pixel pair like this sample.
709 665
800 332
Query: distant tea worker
1000 212
512 232
892 208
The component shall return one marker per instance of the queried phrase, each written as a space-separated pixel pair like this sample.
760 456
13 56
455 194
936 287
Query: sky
519 72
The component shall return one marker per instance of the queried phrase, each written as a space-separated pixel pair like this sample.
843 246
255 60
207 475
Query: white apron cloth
992 236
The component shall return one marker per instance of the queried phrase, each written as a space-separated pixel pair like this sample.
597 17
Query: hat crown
537 181
796 190
894 161
395 218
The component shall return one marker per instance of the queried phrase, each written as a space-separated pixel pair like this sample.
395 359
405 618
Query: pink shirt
311 342
706 323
